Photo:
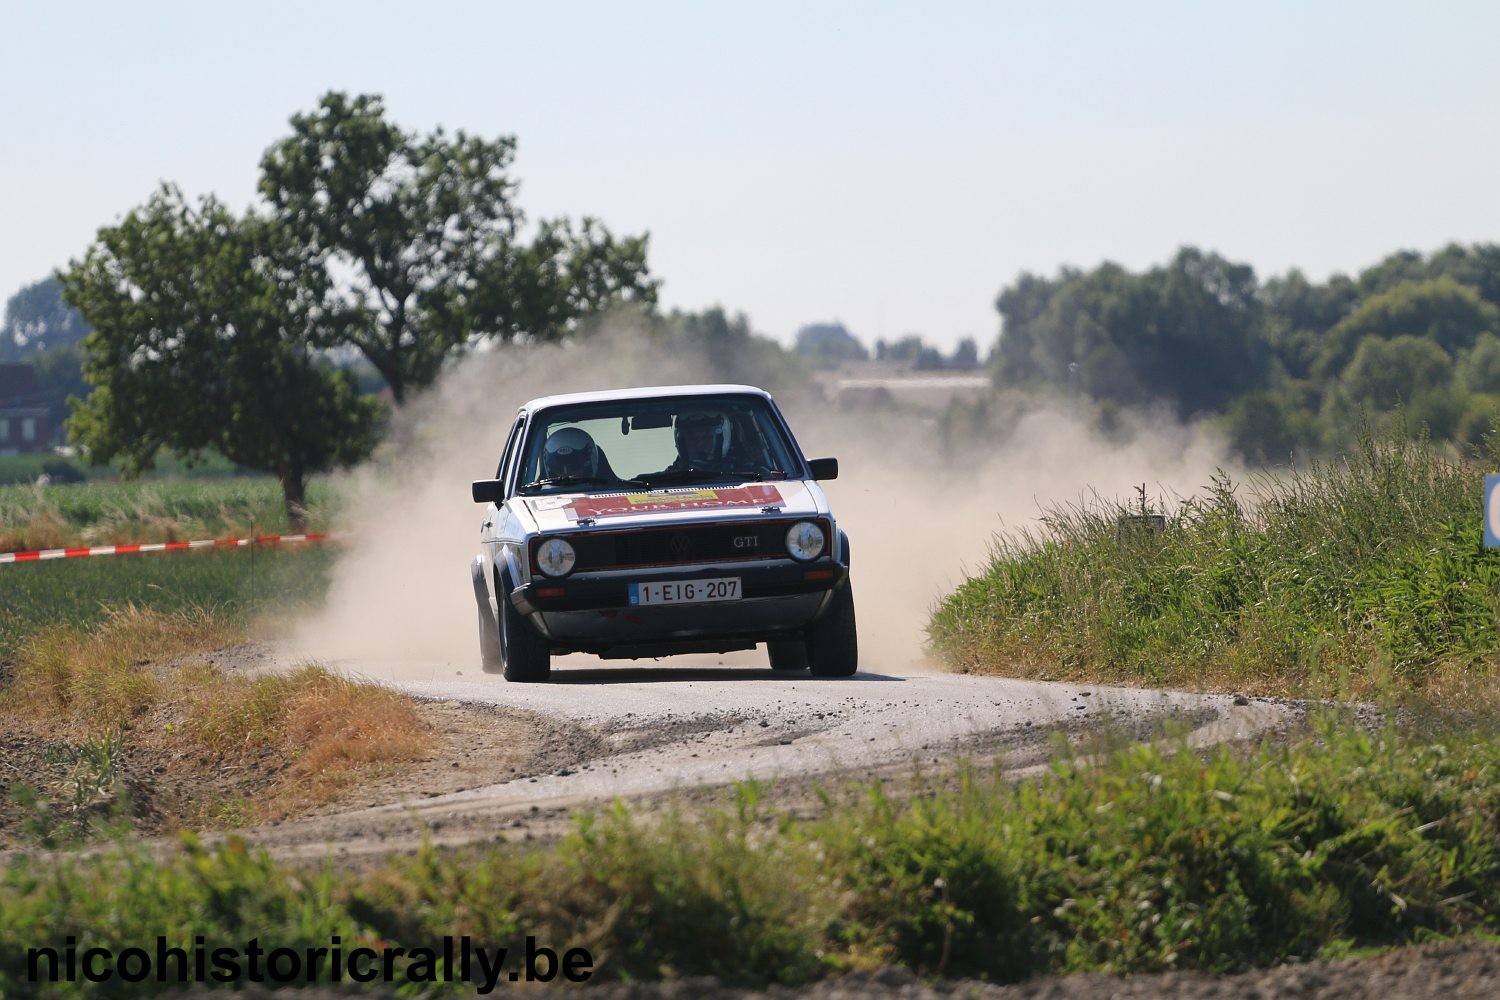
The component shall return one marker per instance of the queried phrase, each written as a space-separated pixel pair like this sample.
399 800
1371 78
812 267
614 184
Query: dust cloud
918 515
921 517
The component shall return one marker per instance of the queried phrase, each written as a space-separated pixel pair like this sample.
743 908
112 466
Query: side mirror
488 491
824 468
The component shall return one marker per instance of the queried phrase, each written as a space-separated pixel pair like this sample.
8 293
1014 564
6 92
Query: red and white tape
119 550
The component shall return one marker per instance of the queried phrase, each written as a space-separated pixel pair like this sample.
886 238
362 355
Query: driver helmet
703 435
570 451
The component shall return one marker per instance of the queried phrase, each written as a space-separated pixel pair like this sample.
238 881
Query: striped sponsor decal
119 550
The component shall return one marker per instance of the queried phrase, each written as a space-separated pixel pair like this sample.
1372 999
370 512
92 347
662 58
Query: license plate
686 591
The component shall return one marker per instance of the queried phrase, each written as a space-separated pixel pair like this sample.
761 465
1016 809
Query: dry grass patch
324 731
191 745
41 528
100 682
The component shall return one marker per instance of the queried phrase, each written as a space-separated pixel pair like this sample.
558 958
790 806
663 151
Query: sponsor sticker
754 495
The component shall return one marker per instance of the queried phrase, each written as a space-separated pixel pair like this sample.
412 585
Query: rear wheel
832 646
787 654
527 659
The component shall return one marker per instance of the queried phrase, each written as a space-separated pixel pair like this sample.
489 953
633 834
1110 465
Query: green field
34 517
234 583
26 469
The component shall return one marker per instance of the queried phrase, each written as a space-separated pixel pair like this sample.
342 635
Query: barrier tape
115 550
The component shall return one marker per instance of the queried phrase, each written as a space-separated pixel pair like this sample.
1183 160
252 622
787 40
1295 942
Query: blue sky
889 165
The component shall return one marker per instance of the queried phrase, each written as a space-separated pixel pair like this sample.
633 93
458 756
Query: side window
508 456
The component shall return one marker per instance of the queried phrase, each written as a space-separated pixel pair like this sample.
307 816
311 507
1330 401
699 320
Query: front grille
682 544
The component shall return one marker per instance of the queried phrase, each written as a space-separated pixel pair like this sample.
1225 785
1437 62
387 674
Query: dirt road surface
606 732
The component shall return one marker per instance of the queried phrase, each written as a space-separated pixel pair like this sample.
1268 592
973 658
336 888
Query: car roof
642 392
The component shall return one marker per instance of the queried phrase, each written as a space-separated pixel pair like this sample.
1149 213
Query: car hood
629 510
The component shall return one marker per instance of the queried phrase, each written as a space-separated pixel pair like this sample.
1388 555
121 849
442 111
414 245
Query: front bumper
612 592
595 615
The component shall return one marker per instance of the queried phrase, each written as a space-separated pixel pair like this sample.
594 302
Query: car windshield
662 441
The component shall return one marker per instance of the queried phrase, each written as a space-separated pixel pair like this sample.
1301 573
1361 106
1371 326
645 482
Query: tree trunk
294 492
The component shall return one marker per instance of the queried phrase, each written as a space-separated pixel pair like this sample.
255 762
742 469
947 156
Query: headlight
804 540
555 557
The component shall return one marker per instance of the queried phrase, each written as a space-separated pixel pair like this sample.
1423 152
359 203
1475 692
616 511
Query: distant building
866 384
24 426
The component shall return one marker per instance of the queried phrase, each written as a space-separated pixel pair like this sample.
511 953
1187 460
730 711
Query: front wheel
832 645
527 659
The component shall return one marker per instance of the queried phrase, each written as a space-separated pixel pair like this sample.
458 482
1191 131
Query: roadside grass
1152 858
75 514
237 584
1340 577
136 696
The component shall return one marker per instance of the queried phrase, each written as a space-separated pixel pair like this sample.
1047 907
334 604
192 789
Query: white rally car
649 522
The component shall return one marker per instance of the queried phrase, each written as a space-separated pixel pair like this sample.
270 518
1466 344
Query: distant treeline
1288 365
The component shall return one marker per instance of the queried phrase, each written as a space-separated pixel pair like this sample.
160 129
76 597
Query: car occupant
704 439
570 451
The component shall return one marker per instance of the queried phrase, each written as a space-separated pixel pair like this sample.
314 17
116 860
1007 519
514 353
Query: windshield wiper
691 475
565 481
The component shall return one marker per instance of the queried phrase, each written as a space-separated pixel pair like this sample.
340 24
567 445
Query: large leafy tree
420 241
200 343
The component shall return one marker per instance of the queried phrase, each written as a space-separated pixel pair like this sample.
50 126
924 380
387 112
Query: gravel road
645 731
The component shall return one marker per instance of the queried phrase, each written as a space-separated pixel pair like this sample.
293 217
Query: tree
45 332
830 344
908 348
1477 266
199 343
1298 313
1385 373
1441 310
419 241
1260 426
1480 367
37 319
1191 332
965 355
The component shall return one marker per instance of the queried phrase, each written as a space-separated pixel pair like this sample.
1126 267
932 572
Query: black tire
787 654
489 640
832 645
526 656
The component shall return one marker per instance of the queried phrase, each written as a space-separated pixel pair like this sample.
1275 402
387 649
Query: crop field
40 517
232 583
